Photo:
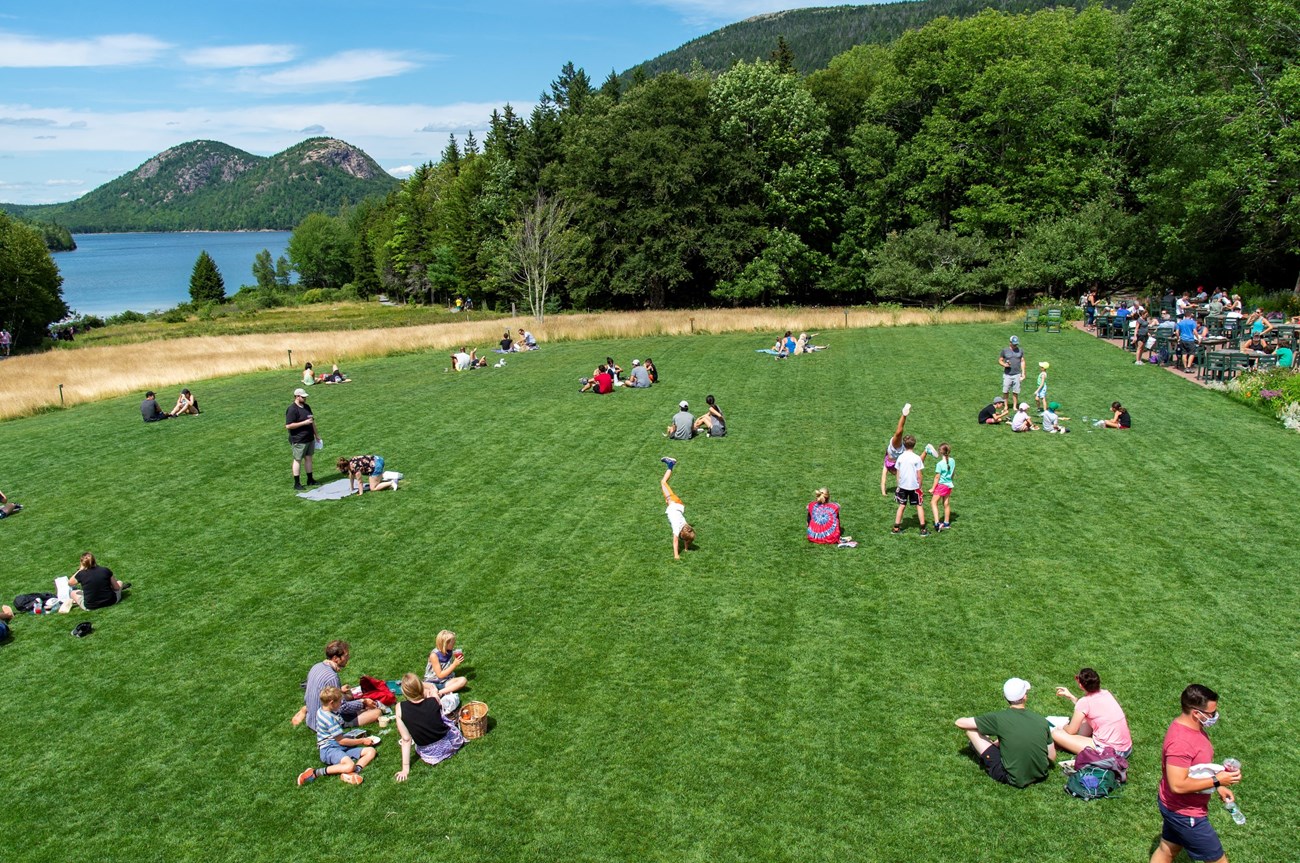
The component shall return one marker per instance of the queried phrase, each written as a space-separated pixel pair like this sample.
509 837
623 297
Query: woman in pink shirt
1098 720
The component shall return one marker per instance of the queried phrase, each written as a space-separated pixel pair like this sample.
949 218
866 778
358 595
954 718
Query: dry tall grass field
30 384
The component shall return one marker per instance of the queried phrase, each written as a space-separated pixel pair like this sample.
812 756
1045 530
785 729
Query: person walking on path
303 437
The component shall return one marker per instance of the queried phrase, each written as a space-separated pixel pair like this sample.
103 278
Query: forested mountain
207 185
816 35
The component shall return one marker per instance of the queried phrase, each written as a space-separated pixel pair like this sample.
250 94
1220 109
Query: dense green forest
816 35
57 238
994 158
207 185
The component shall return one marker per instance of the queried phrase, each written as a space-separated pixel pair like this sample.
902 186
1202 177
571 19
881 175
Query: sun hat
300 392
683 405
1044 365
1024 406
1014 689
1054 406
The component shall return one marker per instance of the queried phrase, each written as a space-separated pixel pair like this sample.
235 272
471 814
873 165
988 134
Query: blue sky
89 91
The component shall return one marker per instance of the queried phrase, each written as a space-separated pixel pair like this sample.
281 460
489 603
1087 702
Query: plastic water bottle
39 607
1235 811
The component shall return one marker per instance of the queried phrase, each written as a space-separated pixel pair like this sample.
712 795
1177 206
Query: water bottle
39 607
1232 765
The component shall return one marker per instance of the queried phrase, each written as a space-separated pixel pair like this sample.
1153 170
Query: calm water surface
109 273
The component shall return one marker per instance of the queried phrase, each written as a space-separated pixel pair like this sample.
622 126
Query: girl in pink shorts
942 487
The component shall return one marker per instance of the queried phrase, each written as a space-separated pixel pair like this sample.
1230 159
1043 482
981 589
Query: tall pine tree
206 284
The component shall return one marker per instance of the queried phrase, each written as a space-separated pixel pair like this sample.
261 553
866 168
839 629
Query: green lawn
761 699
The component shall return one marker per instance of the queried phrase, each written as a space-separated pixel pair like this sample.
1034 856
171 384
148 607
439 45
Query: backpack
1093 782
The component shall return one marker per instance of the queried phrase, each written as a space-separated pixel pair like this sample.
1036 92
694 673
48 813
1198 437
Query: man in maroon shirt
1184 799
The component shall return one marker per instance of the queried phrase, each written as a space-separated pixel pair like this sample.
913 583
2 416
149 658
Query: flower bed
1276 391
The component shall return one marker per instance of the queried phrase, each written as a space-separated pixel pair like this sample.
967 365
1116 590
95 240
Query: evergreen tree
264 270
206 284
783 57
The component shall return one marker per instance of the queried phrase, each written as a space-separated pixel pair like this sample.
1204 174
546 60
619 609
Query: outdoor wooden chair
1267 361
1053 320
1031 320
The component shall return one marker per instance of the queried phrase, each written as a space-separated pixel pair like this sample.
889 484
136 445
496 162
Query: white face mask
1208 720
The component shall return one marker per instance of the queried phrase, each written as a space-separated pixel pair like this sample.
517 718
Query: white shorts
676 513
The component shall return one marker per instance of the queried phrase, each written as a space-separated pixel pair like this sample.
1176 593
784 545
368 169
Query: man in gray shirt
640 378
1012 360
683 424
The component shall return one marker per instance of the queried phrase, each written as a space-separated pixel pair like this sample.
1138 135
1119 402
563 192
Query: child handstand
344 757
893 449
683 533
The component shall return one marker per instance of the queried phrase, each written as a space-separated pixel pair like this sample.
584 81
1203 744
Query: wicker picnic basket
473 719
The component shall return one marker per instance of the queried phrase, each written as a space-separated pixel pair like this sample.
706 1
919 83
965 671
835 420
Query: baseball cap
1015 340
1024 406
1044 365
999 401
1054 406
636 362
1015 689
300 392
683 405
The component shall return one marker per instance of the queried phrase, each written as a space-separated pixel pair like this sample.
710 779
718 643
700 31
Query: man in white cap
302 436
1012 360
1023 751
683 425
640 378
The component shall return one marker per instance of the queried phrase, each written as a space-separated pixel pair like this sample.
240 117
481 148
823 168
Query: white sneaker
394 482
907 409
931 451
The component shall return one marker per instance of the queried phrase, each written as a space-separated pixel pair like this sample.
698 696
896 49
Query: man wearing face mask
1184 800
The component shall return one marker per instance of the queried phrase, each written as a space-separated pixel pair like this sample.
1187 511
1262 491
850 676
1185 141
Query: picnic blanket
338 489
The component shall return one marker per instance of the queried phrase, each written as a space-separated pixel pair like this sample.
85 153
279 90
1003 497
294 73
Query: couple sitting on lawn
186 403
685 425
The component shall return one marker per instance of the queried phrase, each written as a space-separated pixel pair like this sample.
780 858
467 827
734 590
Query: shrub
319 295
174 316
128 317
1284 302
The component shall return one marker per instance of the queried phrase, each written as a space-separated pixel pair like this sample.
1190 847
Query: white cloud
347 67
65 182
18 51
401 171
240 56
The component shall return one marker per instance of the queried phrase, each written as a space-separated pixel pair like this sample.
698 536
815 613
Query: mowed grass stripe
760 699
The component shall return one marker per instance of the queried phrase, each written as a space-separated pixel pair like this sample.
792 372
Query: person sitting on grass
186 403
7 507
640 377
336 377
1120 420
526 341
995 413
310 377
6 615
601 382
423 725
439 671
683 533
99 588
149 409
1098 720
824 521
1052 420
360 711
651 370
1023 752
507 343
369 466
614 370
467 358
1021 422
683 425
711 421
343 755
910 467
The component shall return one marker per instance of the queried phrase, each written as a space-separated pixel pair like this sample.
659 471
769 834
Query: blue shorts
379 466
332 753
1196 835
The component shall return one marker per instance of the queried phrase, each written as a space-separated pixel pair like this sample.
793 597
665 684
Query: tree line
994 157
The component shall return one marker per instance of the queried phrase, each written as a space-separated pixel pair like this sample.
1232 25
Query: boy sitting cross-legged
344 757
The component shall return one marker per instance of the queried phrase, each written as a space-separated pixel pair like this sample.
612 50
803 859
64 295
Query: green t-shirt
1023 736
943 469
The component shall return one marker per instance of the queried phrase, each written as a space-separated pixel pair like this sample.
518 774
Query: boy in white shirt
910 466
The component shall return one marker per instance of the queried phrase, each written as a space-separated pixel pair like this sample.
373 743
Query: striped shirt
329 727
322 674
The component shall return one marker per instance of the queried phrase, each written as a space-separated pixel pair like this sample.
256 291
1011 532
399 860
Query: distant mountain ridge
815 35
211 186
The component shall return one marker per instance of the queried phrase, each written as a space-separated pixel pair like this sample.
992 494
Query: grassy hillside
760 699
817 35
210 186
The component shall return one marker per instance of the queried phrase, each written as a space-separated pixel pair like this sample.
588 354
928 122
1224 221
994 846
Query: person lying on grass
467 358
424 725
439 671
335 376
8 508
6 615
367 466
186 403
1098 720
99 588
342 754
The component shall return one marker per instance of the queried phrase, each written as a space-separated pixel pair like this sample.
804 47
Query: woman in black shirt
421 723
98 587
